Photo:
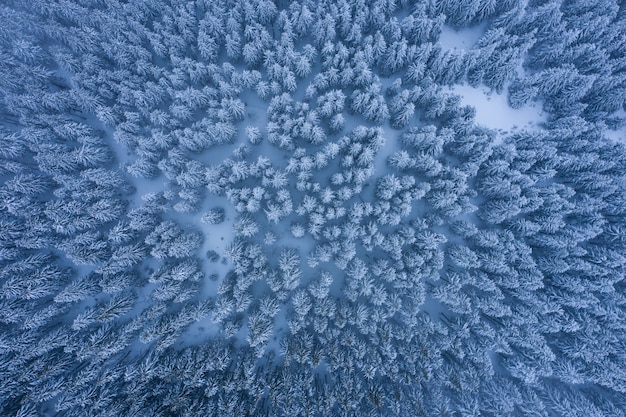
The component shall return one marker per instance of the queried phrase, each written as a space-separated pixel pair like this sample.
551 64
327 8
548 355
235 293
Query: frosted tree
214 216
245 226
169 240
289 266
370 104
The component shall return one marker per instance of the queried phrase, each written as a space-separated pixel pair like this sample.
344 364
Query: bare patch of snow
493 110
217 237
392 145
617 135
466 38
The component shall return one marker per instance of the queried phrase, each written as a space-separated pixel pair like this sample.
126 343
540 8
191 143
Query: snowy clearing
493 110
465 38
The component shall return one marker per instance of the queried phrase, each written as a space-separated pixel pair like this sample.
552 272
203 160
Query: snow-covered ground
618 135
493 110
390 147
465 38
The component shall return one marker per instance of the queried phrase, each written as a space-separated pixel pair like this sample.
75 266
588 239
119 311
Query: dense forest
282 208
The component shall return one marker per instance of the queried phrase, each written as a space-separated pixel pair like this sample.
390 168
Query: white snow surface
493 110
618 135
466 38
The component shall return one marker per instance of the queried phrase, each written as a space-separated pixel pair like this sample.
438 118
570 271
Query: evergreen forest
325 208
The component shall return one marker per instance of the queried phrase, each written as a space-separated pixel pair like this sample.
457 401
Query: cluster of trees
72 249
468 278
574 65
290 123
